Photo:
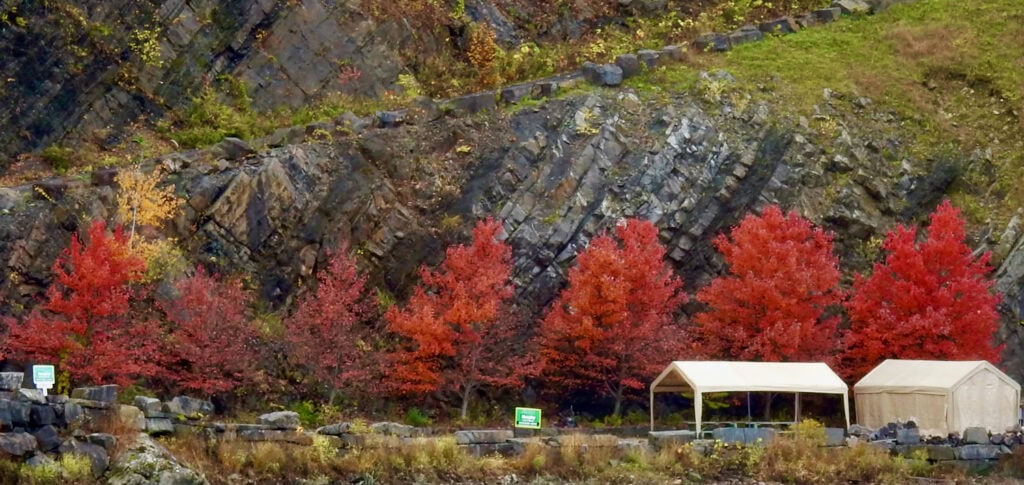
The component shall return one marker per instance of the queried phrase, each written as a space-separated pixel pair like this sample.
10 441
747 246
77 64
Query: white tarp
940 396
722 376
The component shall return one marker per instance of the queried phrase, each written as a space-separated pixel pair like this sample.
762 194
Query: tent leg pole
749 418
796 407
652 409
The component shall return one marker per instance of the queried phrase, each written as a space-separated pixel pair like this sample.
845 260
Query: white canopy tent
702 377
940 396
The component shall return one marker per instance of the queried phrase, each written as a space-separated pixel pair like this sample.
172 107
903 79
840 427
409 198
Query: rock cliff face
555 174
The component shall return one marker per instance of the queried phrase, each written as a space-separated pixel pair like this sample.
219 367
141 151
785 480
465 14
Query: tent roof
931 376
723 376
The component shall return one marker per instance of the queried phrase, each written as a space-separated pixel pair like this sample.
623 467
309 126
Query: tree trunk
466 394
618 402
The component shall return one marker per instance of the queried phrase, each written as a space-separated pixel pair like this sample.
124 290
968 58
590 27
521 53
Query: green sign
43 376
528 418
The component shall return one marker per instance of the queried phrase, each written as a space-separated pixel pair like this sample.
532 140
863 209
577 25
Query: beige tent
702 377
940 396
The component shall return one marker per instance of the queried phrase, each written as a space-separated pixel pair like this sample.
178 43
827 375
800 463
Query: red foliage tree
770 306
327 334
457 328
212 343
86 325
927 300
613 326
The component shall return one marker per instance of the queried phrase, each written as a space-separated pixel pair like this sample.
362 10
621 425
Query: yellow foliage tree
484 53
142 202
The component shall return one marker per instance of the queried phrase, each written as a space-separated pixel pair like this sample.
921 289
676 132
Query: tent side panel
875 410
984 400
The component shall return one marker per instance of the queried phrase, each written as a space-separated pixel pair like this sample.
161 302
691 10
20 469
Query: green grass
951 70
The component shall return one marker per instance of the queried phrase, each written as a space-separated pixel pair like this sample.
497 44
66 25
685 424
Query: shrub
415 417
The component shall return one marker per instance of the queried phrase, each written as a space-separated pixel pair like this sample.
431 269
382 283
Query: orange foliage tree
928 300
771 305
327 333
613 327
86 326
457 331
213 345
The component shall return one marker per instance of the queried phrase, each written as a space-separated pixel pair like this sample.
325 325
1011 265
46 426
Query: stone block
395 429
233 149
16 413
11 381
673 53
73 414
835 437
826 15
34 396
423 109
280 420
981 452
759 436
745 35
779 26
545 89
96 454
132 417
159 426
90 404
189 407
47 438
473 103
852 7
975 436
629 63
390 119
650 58
334 429
515 94
661 439
473 437
730 435
42 415
712 42
18 444
908 436
104 440
940 452
106 393
148 404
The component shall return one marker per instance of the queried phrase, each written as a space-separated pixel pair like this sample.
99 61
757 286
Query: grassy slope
952 70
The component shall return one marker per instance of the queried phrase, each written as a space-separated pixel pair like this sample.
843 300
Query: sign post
44 377
528 418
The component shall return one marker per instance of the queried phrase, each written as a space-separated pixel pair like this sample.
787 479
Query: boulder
662 439
423 109
606 75
391 119
96 454
18 444
73 414
47 438
673 53
745 35
9 199
334 429
981 452
852 7
826 15
159 426
148 404
132 417
515 94
106 393
352 123
34 396
280 420
105 440
16 413
975 436
11 381
189 407
235 149
712 42
38 460
779 26
650 58
394 429
473 103
475 437
276 435
146 462
629 63
42 415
